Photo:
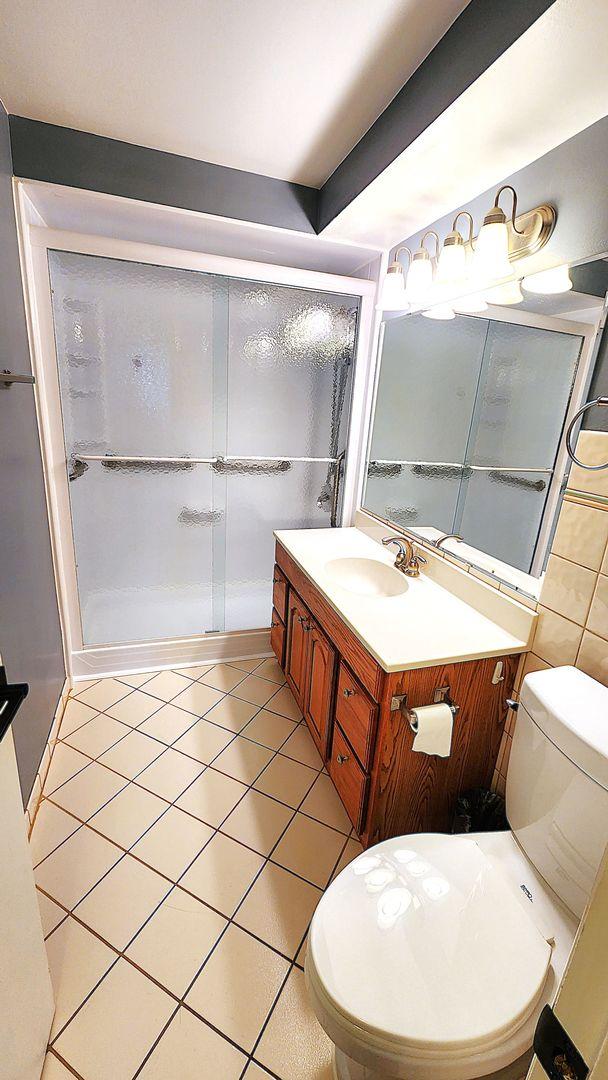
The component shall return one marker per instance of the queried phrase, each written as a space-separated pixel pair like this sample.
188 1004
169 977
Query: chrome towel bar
600 401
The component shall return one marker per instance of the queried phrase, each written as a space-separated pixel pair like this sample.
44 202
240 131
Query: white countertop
426 625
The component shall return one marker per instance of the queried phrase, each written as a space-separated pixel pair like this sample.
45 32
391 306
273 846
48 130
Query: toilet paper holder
440 694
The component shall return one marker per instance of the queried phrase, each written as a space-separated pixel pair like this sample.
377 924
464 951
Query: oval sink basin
366 577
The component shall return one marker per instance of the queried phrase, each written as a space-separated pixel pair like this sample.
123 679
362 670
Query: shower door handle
189 516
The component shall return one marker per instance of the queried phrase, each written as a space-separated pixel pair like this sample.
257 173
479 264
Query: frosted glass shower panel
503 512
144 537
290 367
135 345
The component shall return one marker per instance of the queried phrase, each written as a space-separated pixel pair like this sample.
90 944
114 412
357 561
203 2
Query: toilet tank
557 780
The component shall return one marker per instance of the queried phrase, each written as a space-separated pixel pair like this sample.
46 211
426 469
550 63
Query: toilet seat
422 951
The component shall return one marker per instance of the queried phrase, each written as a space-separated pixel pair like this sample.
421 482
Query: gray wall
30 639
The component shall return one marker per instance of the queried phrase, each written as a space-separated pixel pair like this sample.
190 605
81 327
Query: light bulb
509 293
492 250
393 290
420 277
452 265
548 282
472 304
440 311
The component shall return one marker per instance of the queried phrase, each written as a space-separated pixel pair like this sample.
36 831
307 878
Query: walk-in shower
200 412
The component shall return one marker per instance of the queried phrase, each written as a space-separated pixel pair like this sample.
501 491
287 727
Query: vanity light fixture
452 262
549 282
473 304
420 277
393 296
440 311
492 248
509 293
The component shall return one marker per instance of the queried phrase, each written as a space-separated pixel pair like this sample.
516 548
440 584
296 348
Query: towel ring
588 405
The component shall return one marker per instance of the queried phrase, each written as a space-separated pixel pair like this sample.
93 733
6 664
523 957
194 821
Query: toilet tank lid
572 710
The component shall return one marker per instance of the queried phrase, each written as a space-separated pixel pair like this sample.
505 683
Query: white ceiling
281 87
549 85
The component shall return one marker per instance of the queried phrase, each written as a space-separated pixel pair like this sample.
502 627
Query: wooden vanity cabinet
352 709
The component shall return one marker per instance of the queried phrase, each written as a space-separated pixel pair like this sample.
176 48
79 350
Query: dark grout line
66 1064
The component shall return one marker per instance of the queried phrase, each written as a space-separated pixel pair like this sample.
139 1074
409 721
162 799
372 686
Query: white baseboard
107 660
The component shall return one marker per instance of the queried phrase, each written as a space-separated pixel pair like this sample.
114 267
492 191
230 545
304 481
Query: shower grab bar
381 462
246 465
230 463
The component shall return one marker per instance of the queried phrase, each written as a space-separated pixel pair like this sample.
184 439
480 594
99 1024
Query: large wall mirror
469 419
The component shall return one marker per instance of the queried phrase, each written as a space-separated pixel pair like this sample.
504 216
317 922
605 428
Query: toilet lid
423 942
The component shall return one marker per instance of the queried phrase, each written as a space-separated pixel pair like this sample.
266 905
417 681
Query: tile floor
186 832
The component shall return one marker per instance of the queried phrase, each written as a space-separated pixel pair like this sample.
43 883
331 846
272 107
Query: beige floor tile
65 763
50 913
51 828
294 1044
86 792
167 724
167 685
70 871
54 1070
132 754
82 684
270 669
211 797
351 851
170 774
324 804
122 901
246 665
254 1072
223 677
257 822
300 747
191 1050
243 759
125 818
238 961
204 741
257 691
222 873
97 736
278 909
137 680
135 708
193 672
75 715
176 940
283 702
77 961
309 849
198 699
115 1029
173 842
106 692
301 957
269 729
232 714
286 780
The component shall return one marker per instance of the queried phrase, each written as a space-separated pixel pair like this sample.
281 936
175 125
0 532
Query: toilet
431 956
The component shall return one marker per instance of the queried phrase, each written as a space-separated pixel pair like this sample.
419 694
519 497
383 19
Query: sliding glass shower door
200 413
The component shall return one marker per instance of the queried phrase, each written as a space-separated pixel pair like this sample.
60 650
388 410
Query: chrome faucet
448 536
406 560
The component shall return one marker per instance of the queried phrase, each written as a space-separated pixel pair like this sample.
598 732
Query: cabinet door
298 628
319 687
277 637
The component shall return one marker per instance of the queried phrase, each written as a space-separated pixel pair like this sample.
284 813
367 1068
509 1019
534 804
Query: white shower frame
86 662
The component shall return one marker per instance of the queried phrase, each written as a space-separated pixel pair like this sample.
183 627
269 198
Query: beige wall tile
604 566
593 657
581 535
592 448
568 589
557 639
597 621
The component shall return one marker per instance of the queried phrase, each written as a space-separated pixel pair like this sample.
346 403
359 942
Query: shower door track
85 662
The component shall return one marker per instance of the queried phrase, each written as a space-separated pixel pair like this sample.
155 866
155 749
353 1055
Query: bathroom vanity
360 643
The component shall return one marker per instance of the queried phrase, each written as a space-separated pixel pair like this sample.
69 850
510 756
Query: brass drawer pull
349 693
341 759
306 627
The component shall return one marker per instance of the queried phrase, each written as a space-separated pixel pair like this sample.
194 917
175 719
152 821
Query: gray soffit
484 30
78 159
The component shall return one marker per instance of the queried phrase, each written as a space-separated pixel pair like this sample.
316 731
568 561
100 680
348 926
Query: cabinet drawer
277 636
349 778
279 593
356 714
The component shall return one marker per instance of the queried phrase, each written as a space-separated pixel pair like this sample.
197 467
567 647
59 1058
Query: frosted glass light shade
393 296
509 293
419 278
492 250
472 304
440 311
548 282
452 265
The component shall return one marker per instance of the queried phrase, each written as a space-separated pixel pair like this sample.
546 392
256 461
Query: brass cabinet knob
275 580
348 692
341 759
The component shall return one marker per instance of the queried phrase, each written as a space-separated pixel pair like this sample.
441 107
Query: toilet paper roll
434 734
